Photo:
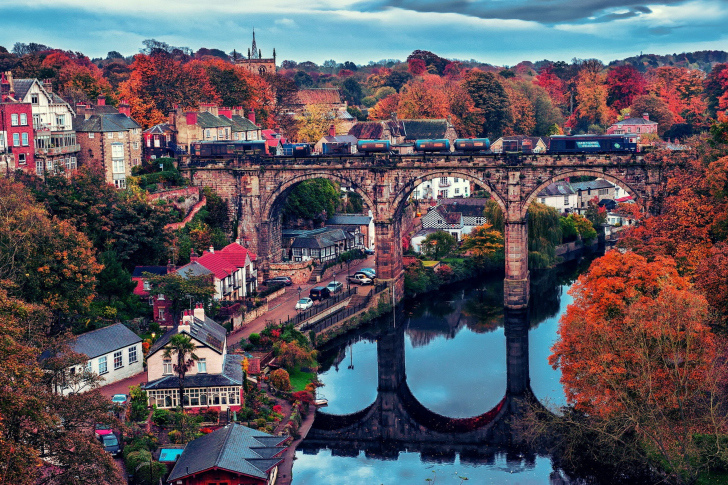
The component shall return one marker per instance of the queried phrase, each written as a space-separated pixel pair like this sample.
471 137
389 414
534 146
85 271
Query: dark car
319 293
369 251
110 444
279 280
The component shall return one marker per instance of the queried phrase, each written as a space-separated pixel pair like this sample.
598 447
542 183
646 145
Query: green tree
544 234
181 347
179 289
491 101
494 216
312 200
114 282
569 232
438 245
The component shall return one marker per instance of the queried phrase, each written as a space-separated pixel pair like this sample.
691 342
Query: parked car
279 280
368 251
304 304
360 279
335 286
120 399
101 430
319 293
369 272
110 444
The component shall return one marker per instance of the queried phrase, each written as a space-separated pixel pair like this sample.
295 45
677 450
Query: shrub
303 396
278 409
161 417
254 338
175 436
260 422
280 379
211 415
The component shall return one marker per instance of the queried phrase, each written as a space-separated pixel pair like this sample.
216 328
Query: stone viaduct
257 187
396 421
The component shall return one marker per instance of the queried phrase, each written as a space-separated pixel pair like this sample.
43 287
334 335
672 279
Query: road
281 308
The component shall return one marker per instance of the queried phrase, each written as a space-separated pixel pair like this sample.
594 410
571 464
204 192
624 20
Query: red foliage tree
624 84
416 66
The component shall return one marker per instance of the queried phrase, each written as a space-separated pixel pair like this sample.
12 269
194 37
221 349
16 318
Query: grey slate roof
207 332
635 121
424 129
235 448
193 269
21 87
367 130
160 129
209 120
594 184
140 270
558 188
467 210
232 375
105 340
104 123
241 123
349 220
322 240
340 139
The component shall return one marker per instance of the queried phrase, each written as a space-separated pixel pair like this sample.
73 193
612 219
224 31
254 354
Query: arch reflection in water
396 421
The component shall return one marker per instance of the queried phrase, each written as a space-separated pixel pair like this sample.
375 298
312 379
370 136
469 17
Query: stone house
560 196
234 454
324 244
442 188
161 141
470 209
364 223
216 378
109 136
599 188
255 62
440 219
212 123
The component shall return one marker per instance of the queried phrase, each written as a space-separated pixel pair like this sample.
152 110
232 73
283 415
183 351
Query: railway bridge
257 188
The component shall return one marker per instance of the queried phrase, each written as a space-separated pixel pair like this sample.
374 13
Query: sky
499 32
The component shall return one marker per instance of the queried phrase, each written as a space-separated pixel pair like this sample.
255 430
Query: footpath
283 307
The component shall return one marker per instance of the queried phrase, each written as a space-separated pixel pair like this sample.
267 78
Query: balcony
445 184
58 150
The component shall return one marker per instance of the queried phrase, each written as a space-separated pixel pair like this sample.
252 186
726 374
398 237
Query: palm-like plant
181 344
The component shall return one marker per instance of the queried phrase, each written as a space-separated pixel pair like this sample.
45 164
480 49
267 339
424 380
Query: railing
322 325
324 305
59 150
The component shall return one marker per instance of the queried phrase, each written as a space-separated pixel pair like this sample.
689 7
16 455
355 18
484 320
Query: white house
442 188
114 353
364 223
471 210
419 237
215 379
560 196
233 269
440 219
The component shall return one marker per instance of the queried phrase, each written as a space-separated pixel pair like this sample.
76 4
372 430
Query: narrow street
283 307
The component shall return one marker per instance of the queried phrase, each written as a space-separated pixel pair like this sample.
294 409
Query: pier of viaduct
256 189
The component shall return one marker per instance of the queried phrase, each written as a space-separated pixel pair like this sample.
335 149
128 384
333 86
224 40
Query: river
423 395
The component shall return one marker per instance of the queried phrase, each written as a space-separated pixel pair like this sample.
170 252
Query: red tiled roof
367 130
217 264
235 247
319 96
624 199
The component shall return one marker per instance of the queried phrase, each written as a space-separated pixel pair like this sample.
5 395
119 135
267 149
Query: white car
304 304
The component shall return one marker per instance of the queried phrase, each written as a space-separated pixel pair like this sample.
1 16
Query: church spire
254 49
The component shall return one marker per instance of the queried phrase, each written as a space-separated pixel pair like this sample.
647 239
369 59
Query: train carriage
581 144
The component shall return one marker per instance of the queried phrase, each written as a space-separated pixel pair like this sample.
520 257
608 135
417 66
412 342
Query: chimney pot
332 130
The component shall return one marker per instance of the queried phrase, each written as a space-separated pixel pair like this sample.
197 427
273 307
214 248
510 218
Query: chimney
4 87
172 118
332 130
227 112
212 250
124 108
48 85
193 256
251 116
101 101
80 108
646 116
170 267
184 324
199 312
191 118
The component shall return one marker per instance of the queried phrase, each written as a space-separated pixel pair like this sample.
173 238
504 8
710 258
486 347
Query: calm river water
446 355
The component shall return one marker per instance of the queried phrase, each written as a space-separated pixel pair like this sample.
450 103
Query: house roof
241 123
469 201
593 184
557 188
162 129
339 139
321 240
193 269
208 332
236 247
424 129
634 121
232 375
140 270
453 217
105 122
367 130
219 265
319 96
22 86
349 220
205 119
466 210
425 232
235 448
105 340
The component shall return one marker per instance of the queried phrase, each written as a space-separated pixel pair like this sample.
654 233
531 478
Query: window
36 121
117 150
135 161
23 119
543 200
34 98
566 200
102 365
118 166
457 190
603 191
149 142
91 136
161 314
457 180
16 139
14 119
167 367
443 180
25 139
21 159
88 369
207 133
202 366
60 120
39 167
121 134
132 354
118 360
136 145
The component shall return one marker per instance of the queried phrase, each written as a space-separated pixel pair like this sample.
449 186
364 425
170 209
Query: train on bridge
558 145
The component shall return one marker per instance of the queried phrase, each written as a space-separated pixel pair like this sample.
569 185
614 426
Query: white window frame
133 357
25 139
14 119
167 367
118 359
103 366
91 136
202 366
23 119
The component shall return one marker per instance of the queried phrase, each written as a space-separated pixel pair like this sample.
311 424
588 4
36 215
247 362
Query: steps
356 300
316 275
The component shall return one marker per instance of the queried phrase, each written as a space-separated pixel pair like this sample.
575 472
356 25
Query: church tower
255 62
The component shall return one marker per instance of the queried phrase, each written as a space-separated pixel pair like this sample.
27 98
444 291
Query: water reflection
437 391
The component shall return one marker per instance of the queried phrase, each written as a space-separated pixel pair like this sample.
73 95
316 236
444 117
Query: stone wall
299 271
195 209
252 315
191 196
275 294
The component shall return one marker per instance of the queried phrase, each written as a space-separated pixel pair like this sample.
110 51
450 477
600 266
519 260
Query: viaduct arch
255 188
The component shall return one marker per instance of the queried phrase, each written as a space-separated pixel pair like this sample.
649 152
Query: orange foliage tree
635 352
424 98
385 107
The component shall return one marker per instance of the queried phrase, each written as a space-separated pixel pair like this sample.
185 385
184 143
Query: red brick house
17 140
633 125
233 455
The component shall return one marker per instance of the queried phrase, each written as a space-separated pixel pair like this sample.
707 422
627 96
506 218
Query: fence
325 304
322 325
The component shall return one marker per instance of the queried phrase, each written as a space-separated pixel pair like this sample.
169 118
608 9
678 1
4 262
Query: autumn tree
315 122
385 107
522 113
551 83
491 102
416 66
482 241
591 97
624 84
638 359
292 355
423 98
180 289
657 110
715 89
438 245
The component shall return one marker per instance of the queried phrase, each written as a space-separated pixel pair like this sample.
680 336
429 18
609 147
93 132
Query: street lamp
334 279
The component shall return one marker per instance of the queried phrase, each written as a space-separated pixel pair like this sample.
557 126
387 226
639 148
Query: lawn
299 379
430 264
